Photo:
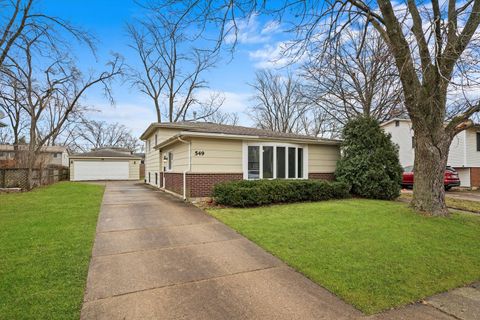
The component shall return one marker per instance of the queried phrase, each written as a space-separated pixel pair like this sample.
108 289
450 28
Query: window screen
267 162
253 162
300 163
280 162
291 163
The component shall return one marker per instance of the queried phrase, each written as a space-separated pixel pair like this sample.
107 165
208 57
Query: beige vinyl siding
180 156
134 169
220 156
322 158
152 156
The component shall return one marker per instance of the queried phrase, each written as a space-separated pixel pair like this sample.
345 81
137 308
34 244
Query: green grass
46 238
374 254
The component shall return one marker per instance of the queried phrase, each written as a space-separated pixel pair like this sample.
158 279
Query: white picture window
274 161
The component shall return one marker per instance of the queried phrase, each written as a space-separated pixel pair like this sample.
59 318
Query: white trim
188 168
305 162
246 144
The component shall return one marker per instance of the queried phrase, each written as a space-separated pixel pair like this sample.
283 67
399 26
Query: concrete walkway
156 257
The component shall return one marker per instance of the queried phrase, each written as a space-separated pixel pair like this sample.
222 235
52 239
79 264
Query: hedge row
249 193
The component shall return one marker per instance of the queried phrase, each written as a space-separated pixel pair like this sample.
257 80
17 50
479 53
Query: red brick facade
321 176
201 184
475 177
174 182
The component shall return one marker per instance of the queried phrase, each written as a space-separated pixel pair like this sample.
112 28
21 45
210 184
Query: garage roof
105 153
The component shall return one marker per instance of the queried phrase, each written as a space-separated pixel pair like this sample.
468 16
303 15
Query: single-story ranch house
189 158
105 164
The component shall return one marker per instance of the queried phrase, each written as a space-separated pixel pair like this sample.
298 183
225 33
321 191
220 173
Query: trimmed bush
249 193
369 162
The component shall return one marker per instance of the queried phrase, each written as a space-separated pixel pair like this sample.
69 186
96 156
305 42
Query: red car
450 180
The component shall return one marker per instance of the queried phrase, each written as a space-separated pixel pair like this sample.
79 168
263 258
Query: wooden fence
18 177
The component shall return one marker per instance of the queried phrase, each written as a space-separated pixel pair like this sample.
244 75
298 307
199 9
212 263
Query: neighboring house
464 153
49 155
105 164
189 158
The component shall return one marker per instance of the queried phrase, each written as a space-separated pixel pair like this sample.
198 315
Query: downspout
189 166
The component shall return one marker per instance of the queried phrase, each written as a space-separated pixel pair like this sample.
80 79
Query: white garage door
100 170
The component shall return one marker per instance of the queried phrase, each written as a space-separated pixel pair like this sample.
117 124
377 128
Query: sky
258 42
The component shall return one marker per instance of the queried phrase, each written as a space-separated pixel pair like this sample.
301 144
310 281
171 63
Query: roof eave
175 138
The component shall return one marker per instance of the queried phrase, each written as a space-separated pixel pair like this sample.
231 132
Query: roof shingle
209 127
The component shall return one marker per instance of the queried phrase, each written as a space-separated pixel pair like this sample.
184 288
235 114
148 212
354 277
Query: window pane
253 162
170 161
280 162
291 162
267 162
300 162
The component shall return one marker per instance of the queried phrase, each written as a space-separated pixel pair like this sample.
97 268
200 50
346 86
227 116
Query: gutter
189 166
178 136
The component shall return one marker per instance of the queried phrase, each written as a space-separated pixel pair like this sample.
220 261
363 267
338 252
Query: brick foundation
321 176
201 184
174 182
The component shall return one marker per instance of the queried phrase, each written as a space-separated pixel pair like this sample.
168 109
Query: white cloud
136 117
276 56
234 101
252 31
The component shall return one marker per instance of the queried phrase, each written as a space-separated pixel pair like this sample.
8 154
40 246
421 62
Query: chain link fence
18 177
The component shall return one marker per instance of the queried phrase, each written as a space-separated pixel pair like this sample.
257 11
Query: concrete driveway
156 257
457 194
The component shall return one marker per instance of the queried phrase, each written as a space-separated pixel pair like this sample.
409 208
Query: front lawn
374 254
46 239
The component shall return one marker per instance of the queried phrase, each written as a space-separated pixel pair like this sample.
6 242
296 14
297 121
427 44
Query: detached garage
104 164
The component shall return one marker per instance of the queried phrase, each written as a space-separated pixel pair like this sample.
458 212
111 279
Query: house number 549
199 152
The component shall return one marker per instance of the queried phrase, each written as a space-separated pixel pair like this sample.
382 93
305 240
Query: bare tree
318 123
11 103
173 66
51 82
5 136
279 103
436 53
435 49
355 76
92 134
221 117
20 17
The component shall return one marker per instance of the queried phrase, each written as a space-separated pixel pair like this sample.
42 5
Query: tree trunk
431 155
